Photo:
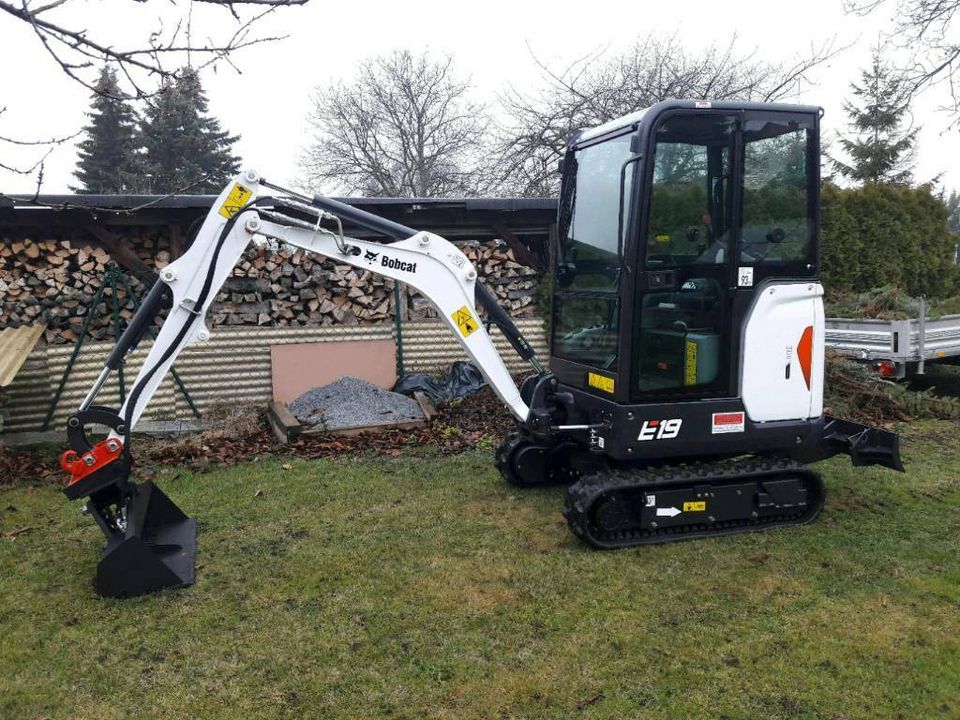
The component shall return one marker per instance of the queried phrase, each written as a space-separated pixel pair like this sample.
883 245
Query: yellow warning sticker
690 373
235 200
600 382
696 506
465 321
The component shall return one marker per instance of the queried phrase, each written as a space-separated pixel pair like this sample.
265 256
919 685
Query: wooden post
520 251
121 254
176 240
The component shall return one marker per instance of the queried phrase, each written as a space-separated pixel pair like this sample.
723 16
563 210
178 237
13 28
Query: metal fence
232 367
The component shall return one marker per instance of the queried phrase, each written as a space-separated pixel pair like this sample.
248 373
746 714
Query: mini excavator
684 394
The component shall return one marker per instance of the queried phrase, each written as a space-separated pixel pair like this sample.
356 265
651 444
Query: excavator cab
670 226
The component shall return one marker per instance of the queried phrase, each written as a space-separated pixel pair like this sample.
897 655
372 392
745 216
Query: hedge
880 235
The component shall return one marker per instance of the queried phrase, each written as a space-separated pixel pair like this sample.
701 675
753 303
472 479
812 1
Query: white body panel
773 386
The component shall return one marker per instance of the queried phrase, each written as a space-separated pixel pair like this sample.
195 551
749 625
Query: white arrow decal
669 512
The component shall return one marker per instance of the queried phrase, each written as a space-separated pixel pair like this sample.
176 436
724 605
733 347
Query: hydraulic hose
137 390
395 230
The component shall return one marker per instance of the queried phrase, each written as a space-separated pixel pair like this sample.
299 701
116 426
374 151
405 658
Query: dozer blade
156 549
865 445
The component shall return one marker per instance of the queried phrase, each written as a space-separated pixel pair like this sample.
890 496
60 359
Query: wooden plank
15 345
426 407
283 422
360 429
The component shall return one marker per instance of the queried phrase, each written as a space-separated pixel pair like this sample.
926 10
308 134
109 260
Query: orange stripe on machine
805 353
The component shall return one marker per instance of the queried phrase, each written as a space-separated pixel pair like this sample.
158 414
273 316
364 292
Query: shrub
880 235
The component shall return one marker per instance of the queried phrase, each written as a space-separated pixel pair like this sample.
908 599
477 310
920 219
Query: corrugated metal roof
126 202
15 345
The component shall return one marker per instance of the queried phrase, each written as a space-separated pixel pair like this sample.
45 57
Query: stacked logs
55 281
52 281
514 285
291 287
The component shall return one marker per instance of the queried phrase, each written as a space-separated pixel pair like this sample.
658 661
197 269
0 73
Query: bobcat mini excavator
684 394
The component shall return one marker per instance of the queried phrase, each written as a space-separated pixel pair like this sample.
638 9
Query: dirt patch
481 412
238 435
17 466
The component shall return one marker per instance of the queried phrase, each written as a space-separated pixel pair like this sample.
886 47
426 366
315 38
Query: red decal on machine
727 422
805 353
660 429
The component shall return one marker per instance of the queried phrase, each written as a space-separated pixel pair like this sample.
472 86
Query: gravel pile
350 402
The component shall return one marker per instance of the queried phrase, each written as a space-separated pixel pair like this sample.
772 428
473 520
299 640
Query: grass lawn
423 586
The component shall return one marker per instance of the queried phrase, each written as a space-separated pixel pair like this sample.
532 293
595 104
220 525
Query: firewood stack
55 280
291 287
515 285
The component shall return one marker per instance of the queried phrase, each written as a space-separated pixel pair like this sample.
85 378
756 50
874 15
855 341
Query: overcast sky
491 42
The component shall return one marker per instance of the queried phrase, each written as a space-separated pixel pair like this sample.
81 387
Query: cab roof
634 118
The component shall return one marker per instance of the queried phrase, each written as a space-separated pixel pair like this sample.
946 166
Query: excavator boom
134 516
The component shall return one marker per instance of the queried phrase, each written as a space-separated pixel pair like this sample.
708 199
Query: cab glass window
778 223
586 308
585 329
690 193
589 258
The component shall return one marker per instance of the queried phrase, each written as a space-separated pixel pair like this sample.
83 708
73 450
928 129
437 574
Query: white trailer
898 347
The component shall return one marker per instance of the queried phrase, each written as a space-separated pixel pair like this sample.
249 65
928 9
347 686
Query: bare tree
144 64
599 88
404 127
923 29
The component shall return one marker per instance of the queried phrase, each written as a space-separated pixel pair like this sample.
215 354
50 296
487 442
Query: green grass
424 587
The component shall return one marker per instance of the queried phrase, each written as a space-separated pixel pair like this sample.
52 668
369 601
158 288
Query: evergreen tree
879 151
108 161
186 150
952 203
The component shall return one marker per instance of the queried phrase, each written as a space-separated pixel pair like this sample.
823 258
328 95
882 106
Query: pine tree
879 151
109 161
952 203
186 150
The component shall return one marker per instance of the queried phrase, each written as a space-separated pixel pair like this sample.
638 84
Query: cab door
682 314
783 324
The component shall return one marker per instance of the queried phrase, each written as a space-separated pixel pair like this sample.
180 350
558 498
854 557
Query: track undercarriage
624 506
628 507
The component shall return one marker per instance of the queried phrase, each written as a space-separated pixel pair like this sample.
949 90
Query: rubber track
582 495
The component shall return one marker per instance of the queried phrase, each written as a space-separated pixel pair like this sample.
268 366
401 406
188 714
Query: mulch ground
458 426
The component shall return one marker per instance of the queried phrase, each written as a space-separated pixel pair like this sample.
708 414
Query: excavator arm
151 543
424 261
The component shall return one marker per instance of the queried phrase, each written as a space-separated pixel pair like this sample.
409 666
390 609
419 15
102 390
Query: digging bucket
156 549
